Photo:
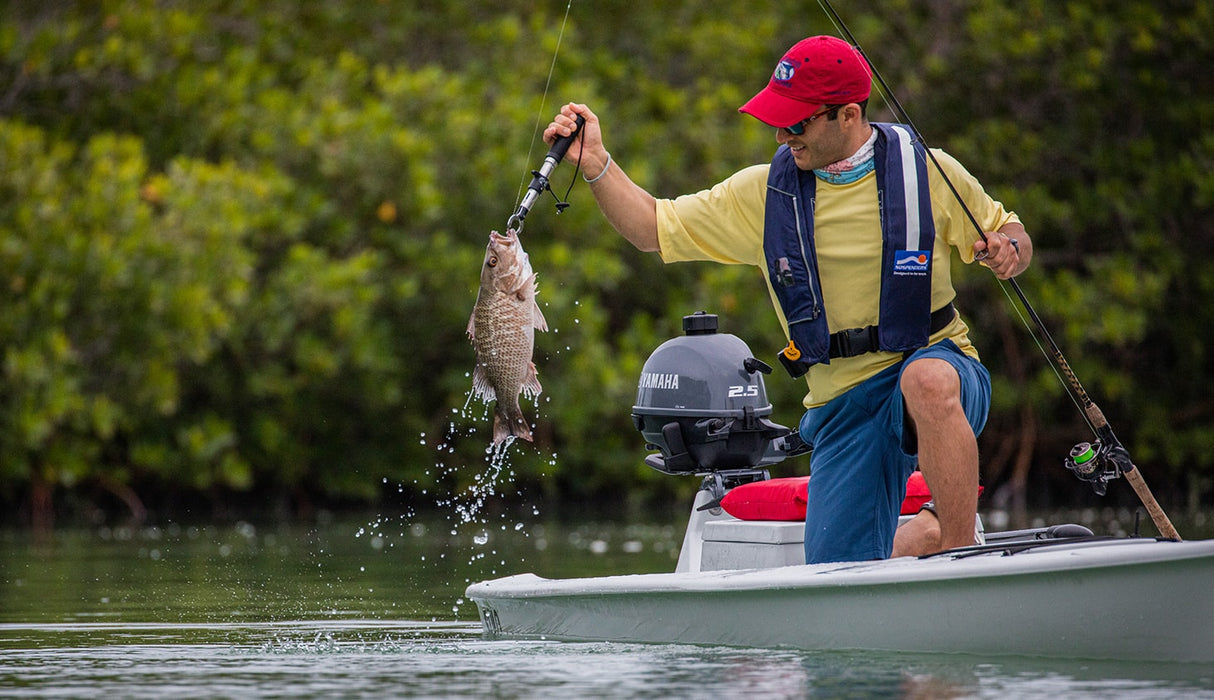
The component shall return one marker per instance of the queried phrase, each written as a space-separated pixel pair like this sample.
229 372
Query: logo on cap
784 71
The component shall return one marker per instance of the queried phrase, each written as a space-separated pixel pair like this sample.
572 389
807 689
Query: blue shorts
862 458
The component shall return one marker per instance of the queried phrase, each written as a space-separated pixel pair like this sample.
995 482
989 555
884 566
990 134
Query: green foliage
240 239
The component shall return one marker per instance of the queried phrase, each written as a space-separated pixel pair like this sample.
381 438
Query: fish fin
480 384
531 382
472 318
537 318
510 422
525 288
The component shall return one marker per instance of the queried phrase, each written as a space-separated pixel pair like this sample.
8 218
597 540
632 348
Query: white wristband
601 173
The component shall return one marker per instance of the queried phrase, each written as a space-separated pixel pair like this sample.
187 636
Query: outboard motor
701 402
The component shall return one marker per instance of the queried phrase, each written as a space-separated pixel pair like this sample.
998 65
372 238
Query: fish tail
510 422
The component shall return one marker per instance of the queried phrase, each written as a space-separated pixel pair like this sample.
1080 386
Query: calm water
372 607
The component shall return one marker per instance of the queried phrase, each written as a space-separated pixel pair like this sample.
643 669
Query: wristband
601 173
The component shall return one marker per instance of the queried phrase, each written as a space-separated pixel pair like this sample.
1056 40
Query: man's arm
630 209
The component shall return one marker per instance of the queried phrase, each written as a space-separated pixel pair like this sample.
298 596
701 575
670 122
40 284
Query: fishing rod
1096 462
539 178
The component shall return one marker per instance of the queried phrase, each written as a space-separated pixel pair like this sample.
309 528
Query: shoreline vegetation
240 240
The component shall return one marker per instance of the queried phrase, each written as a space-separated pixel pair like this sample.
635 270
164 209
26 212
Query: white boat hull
1110 599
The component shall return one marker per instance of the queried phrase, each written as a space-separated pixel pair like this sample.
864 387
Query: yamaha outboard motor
701 402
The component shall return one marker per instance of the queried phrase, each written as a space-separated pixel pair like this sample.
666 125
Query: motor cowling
702 403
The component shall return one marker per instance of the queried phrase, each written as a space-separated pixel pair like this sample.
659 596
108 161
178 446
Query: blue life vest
908 233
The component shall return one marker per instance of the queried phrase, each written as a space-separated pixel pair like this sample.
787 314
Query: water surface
372 607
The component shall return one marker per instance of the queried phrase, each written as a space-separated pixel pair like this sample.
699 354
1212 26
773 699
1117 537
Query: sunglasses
799 128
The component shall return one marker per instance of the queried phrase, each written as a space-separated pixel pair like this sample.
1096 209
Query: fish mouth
506 239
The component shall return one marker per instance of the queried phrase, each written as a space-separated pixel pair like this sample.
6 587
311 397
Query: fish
502 331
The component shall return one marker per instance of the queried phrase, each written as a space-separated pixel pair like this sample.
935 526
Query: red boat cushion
784 499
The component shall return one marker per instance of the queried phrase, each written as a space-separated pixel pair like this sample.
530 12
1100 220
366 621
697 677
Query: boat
1058 591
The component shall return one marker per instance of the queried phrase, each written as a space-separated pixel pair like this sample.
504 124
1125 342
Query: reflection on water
378 567
372 607
443 659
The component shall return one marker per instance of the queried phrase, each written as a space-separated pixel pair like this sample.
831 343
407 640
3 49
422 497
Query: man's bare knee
928 384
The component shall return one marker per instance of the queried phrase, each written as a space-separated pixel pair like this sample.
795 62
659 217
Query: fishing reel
1097 463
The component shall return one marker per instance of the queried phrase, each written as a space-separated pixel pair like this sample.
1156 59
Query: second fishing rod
1096 462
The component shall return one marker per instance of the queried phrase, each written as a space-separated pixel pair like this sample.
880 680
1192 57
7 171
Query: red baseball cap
820 70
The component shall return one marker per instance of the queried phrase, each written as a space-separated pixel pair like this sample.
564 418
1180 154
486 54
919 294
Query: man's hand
588 148
1006 252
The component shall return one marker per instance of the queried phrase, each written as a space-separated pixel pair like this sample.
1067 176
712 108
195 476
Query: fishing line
1040 347
896 109
539 117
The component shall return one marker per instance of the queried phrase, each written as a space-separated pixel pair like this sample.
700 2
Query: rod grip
557 152
1095 415
1158 517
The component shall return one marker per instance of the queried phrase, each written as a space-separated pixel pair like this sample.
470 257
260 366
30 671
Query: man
853 228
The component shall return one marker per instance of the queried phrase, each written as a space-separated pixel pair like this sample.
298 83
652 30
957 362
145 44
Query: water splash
471 494
325 643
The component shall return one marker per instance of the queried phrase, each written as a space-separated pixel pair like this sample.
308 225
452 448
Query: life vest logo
912 262
784 71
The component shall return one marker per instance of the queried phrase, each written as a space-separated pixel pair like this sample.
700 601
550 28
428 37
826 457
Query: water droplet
481 538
